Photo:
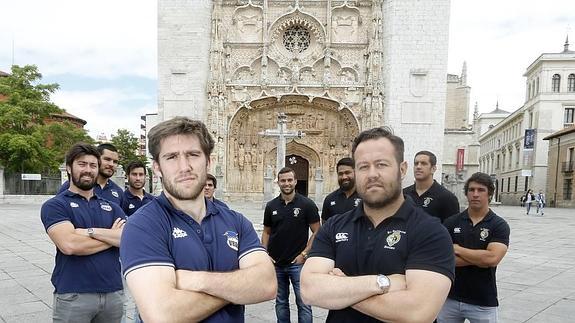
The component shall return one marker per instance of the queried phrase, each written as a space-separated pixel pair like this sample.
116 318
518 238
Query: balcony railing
568 167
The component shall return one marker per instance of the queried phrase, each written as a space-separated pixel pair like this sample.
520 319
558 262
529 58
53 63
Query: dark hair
81 149
432 157
286 170
345 161
179 126
213 179
106 146
377 133
135 164
482 179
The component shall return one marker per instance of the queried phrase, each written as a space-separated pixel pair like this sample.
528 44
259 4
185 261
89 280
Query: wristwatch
383 283
91 232
304 254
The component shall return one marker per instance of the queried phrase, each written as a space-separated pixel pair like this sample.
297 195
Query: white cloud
106 110
92 38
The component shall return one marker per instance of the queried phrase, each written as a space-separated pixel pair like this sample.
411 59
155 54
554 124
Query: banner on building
529 139
460 159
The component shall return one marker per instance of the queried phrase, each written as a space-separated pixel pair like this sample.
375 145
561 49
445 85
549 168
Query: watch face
382 281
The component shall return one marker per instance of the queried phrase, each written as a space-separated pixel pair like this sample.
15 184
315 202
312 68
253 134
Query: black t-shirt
437 201
289 225
410 239
337 203
475 285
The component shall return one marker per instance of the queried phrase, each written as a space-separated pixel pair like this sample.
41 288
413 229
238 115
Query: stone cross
282 135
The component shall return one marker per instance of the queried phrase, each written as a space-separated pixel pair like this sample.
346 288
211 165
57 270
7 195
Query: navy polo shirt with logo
337 203
437 201
473 284
161 235
289 225
111 191
131 202
96 273
410 239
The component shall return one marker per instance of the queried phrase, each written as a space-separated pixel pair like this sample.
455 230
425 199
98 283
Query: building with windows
514 151
561 166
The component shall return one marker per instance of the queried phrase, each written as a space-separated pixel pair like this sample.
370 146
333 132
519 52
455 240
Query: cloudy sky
103 53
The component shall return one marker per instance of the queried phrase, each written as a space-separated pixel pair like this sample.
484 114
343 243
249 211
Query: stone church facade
334 68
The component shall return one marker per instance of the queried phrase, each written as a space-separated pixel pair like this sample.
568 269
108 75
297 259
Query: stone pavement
536 279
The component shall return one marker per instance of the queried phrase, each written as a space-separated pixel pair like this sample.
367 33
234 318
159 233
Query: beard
390 194
84 184
346 185
136 185
287 190
103 172
182 193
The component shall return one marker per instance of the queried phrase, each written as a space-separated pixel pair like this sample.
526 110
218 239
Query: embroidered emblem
296 211
341 237
74 204
274 212
233 241
115 194
131 206
484 234
106 207
456 230
179 233
332 203
393 239
426 201
356 202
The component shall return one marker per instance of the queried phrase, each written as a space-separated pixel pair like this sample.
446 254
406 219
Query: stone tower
334 67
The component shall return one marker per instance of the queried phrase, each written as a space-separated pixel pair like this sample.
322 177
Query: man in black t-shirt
362 260
427 194
287 221
480 241
345 197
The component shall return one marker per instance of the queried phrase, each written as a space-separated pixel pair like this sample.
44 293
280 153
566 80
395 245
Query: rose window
296 39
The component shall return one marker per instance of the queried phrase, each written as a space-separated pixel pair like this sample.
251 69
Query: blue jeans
456 312
284 276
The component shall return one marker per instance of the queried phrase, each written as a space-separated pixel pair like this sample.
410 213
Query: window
556 82
510 158
571 83
509 184
537 85
502 182
516 180
296 39
526 183
567 189
569 116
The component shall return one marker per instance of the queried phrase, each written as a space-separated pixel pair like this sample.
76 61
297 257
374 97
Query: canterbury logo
341 237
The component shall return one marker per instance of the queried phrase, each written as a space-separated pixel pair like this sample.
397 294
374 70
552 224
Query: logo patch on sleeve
233 241
332 203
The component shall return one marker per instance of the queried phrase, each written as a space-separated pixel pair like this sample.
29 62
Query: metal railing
567 167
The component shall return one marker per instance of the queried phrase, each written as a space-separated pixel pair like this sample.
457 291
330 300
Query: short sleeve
323 245
54 212
119 213
449 224
325 212
249 241
312 215
452 207
268 216
144 243
432 250
501 232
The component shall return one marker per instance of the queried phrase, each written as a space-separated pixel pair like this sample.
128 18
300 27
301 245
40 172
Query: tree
128 146
27 144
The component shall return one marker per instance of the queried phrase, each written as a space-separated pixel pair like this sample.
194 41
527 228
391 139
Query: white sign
31 177
525 172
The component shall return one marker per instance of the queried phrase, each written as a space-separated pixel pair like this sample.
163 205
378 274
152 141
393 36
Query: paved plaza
536 279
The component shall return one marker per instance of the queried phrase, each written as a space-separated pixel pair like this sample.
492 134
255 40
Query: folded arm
110 236
322 286
489 257
254 282
159 300
70 242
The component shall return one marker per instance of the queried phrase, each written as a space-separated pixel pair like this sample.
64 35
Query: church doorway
301 167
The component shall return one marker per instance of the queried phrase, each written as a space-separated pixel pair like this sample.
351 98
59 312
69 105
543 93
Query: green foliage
128 146
27 144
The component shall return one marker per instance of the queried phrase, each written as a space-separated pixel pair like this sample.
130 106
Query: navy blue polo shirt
337 202
96 273
111 191
410 239
160 235
289 225
437 201
473 284
131 202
